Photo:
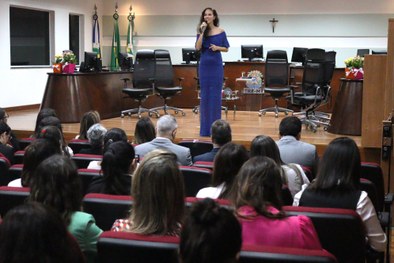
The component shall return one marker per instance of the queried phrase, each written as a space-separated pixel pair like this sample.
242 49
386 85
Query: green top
83 227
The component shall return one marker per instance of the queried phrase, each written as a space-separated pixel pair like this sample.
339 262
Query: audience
158 192
13 139
96 135
117 167
45 112
55 135
292 149
88 119
37 151
166 131
6 149
227 163
292 174
34 233
220 135
337 186
57 184
256 197
211 234
144 131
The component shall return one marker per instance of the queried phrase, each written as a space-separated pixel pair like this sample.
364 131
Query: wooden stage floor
245 126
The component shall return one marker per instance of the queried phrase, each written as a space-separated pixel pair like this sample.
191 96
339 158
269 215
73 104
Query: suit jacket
206 157
294 151
182 153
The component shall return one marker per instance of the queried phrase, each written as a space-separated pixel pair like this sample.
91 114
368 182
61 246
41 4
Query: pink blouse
292 231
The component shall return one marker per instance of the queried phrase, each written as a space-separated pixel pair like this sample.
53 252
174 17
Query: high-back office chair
276 80
362 52
164 80
142 86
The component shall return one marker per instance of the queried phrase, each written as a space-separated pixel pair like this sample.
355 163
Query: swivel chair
276 80
163 80
142 83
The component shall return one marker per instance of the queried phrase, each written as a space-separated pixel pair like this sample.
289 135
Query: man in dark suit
220 135
292 149
166 129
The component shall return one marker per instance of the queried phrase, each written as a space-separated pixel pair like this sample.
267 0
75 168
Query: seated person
211 234
220 135
96 139
116 167
256 197
158 192
166 130
88 119
13 139
144 131
337 185
227 163
6 149
45 112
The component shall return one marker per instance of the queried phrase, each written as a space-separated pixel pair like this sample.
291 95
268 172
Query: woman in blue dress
211 40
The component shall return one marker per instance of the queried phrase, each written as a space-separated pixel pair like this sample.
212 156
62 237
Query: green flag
115 44
130 40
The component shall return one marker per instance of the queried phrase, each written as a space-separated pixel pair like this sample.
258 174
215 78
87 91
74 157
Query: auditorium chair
11 197
4 169
87 175
195 178
142 82
130 247
276 80
341 231
190 201
78 144
14 172
107 208
258 254
196 147
203 164
164 84
18 156
82 160
24 142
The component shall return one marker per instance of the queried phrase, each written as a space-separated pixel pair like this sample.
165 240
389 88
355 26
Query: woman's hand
214 47
203 26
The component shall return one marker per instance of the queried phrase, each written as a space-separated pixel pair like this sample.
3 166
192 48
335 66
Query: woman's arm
199 41
218 48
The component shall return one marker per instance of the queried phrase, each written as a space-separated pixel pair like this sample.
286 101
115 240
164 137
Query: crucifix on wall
273 24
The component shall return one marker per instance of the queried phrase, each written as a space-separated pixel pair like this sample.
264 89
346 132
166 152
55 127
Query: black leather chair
142 85
276 80
197 147
164 81
362 52
195 178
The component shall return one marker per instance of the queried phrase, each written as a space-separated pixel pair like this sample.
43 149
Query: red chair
129 247
203 164
256 254
107 208
341 231
197 147
77 144
189 201
24 142
11 197
195 179
82 160
4 170
18 156
15 172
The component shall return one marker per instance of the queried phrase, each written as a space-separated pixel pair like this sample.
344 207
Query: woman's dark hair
227 163
37 151
46 112
258 184
34 233
116 162
55 136
211 234
114 135
215 21
144 131
4 128
265 146
57 184
340 166
88 119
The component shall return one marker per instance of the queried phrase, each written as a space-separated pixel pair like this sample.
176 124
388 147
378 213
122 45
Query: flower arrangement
256 78
354 68
354 62
65 62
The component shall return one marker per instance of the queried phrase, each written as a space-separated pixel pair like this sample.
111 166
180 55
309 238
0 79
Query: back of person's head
96 135
265 146
211 234
166 126
340 166
117 160
227 163
50 121
158 192
144 130
46 112
51 133
34 233
37 151
88 119
258 184
57 184
114 135
290 125
221 132
3 115
4 128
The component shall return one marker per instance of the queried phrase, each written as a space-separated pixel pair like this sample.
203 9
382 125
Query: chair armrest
384 219
389 198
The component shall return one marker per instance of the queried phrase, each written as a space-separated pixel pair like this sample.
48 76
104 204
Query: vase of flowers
255 80
354 68
65 63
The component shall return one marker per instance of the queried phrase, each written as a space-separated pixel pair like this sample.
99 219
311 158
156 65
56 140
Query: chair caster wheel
276 115
176 112
260 114
286 113
122 115
183 114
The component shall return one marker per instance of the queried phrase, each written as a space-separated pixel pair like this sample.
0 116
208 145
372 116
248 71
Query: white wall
361 24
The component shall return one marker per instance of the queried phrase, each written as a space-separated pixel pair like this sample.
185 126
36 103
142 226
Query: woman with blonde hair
158 192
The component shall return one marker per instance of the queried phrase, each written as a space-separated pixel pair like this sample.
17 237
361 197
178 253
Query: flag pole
115 41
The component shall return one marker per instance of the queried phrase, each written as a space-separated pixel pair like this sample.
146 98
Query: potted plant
354 67
65 63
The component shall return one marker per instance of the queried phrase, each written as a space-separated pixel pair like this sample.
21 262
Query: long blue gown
211 81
